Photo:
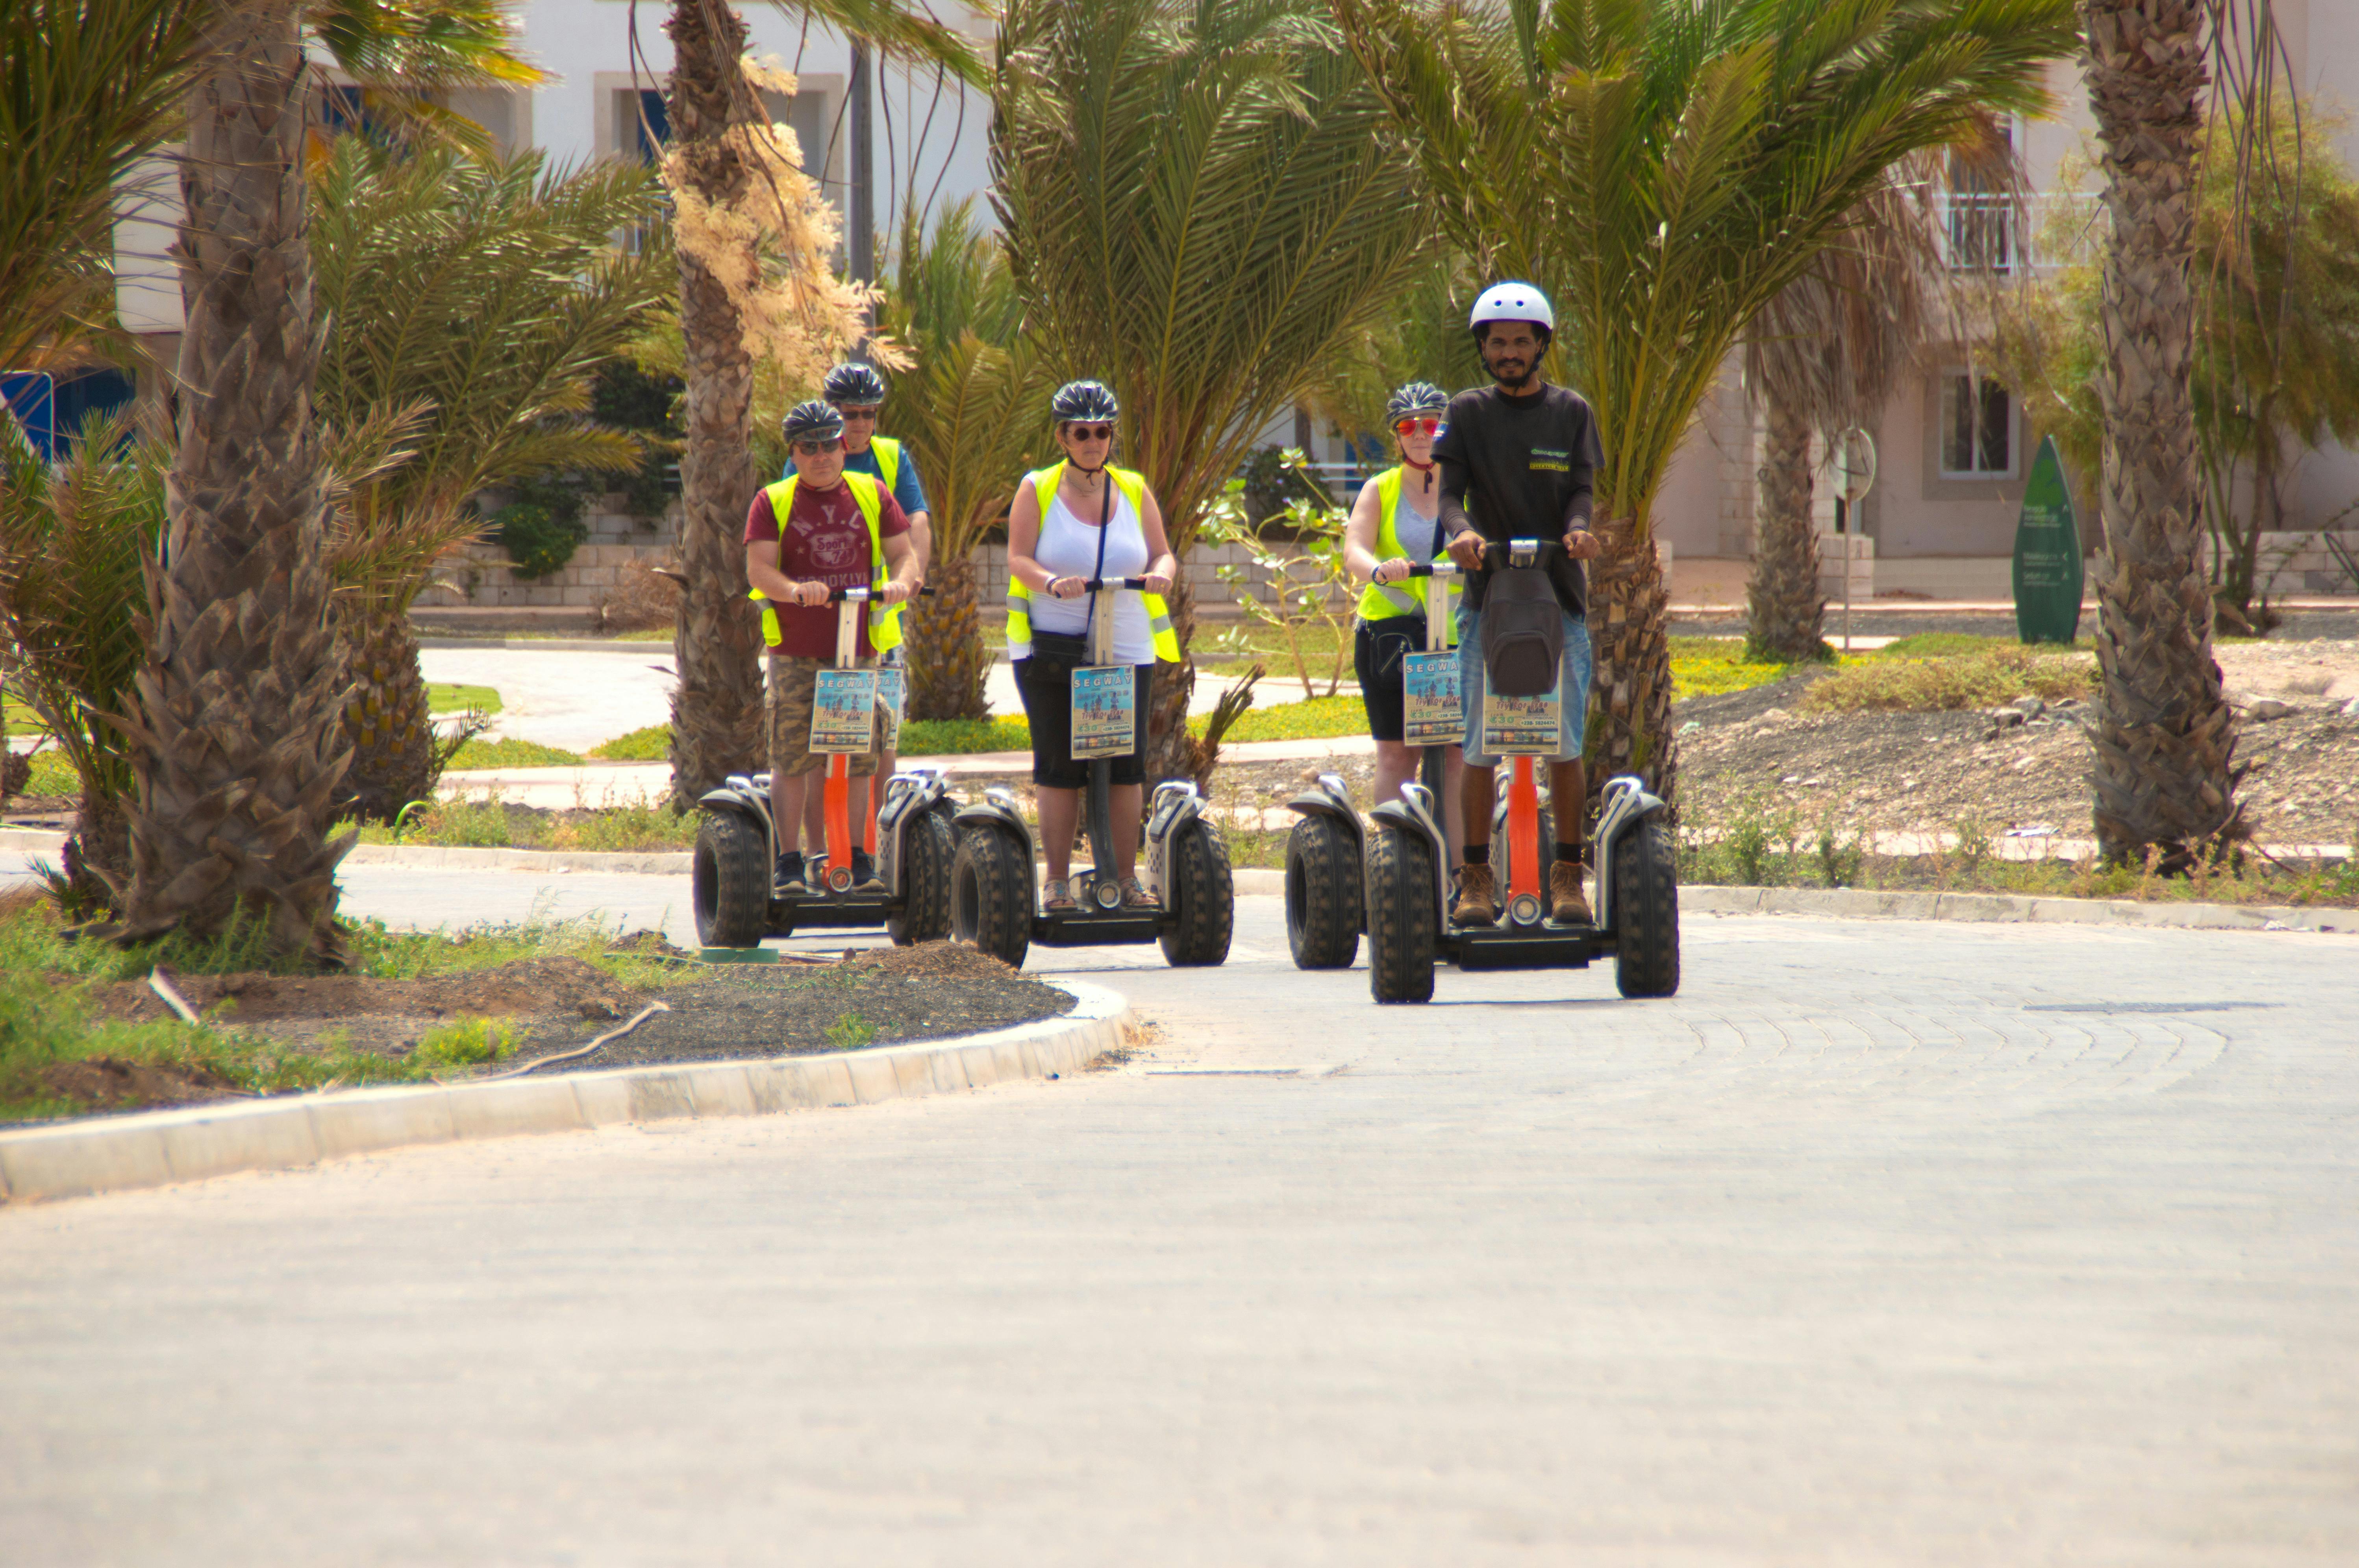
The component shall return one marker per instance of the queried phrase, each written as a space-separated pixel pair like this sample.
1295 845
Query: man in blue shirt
857 392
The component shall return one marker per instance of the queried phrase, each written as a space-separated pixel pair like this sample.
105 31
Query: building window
1977 428
649 125
1978 214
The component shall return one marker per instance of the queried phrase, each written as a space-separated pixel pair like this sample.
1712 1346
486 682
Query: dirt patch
103 1083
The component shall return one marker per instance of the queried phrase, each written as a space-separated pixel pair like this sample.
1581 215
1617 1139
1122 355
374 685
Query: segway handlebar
861 595
1137 584
1435 569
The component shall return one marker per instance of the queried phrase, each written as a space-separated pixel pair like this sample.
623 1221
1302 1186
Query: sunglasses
866 415
816 449
1092 432
1415 426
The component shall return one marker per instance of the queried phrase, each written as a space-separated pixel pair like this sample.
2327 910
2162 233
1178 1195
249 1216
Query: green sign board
2047 554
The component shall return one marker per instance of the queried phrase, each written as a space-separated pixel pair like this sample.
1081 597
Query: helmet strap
1421 467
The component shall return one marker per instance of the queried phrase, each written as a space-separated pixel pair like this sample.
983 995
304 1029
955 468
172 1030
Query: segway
994 887
1637 915
911 833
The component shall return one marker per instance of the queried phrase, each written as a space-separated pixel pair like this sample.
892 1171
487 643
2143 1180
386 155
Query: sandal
1136 896
1055 899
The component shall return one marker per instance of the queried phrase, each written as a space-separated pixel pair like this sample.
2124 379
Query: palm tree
1664 167
2164 775
239 734
1822 356
487 289
723 160
974 414
91 86
1200 201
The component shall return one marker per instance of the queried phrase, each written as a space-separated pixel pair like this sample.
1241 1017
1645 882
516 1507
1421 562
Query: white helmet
1513 302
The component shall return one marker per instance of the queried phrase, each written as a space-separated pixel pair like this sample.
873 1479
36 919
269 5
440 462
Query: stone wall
2302 564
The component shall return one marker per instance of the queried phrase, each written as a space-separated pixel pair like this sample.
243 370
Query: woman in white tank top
1054 545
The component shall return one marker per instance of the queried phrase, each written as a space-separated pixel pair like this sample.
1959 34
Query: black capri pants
1047 693
1379 648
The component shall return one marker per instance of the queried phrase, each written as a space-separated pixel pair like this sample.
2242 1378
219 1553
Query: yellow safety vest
883 620
1383 600
1020 597
889 462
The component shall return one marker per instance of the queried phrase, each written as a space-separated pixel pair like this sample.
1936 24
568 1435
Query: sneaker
1567 904
1055 898
1136 896
787 877
1478 897
864 873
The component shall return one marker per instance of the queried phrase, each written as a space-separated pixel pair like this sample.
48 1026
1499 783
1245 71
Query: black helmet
1417 398
1083 400
812 421
856 383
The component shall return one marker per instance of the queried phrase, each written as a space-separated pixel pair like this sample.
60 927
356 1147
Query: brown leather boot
1567 905
1478 898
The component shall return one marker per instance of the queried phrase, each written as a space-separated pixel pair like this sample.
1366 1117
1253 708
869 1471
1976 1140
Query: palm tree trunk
387 719
716 714
1782 600
2164 776
1629 632
948 659
239 745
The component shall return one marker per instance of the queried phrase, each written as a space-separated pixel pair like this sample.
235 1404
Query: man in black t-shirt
1518 460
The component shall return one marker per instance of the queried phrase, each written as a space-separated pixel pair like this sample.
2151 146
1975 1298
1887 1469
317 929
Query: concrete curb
1860 903
440 857
158 1147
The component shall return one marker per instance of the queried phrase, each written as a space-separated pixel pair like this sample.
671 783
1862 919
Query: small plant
535 538
1753 833
1839 857
1311 601
850 1031
465 1042
1975 843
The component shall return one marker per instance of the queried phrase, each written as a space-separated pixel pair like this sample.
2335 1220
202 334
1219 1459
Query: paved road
1881 1243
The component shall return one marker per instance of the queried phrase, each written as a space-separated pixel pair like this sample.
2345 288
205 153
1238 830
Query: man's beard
1520 380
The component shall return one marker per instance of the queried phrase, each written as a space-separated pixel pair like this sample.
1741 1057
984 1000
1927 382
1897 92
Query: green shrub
1982 679
535 539
851 1032
465 1041
652 744
510 753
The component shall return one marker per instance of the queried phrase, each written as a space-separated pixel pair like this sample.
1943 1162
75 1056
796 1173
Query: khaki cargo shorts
794 685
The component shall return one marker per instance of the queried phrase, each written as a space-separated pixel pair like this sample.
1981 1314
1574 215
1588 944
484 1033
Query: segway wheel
729 880
1322 894
1403 925
1202 897
927 848
991 896
1647 910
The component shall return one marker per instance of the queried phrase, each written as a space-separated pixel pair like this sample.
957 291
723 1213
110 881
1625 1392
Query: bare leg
1568 794
1060 809
789 792
1396 765
1474 805
1453 801
1125 800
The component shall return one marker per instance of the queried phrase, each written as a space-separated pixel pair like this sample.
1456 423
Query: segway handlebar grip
861 595
1137 584
1434 568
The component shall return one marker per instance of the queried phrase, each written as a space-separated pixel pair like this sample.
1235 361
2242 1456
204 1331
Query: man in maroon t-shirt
822 545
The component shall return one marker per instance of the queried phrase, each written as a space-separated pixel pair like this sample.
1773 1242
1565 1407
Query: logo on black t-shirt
1552 459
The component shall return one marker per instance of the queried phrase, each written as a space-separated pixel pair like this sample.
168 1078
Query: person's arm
1360 536
1463 540
910 492
762 571
1579 542
1160 565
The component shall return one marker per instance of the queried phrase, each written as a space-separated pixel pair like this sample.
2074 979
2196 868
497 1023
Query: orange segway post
839 767
1524 830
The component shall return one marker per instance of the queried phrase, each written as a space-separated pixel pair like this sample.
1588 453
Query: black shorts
1377 649
1048 696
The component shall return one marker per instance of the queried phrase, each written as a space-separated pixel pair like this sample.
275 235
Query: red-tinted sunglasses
1421 426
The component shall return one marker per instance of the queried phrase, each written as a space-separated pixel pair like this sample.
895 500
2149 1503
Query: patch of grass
851 1032
652 744
466 1042
1983 679
1318 719
484 822
52 775
1707 667
511 753
964 737
446 697
1940 645
20 718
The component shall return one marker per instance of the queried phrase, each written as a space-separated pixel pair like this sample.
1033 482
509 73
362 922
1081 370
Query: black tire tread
927 848
1647 910
1401 918
1203 892
1323 910
989 876
730 880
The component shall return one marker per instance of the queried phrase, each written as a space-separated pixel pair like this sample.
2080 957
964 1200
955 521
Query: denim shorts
1573 678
